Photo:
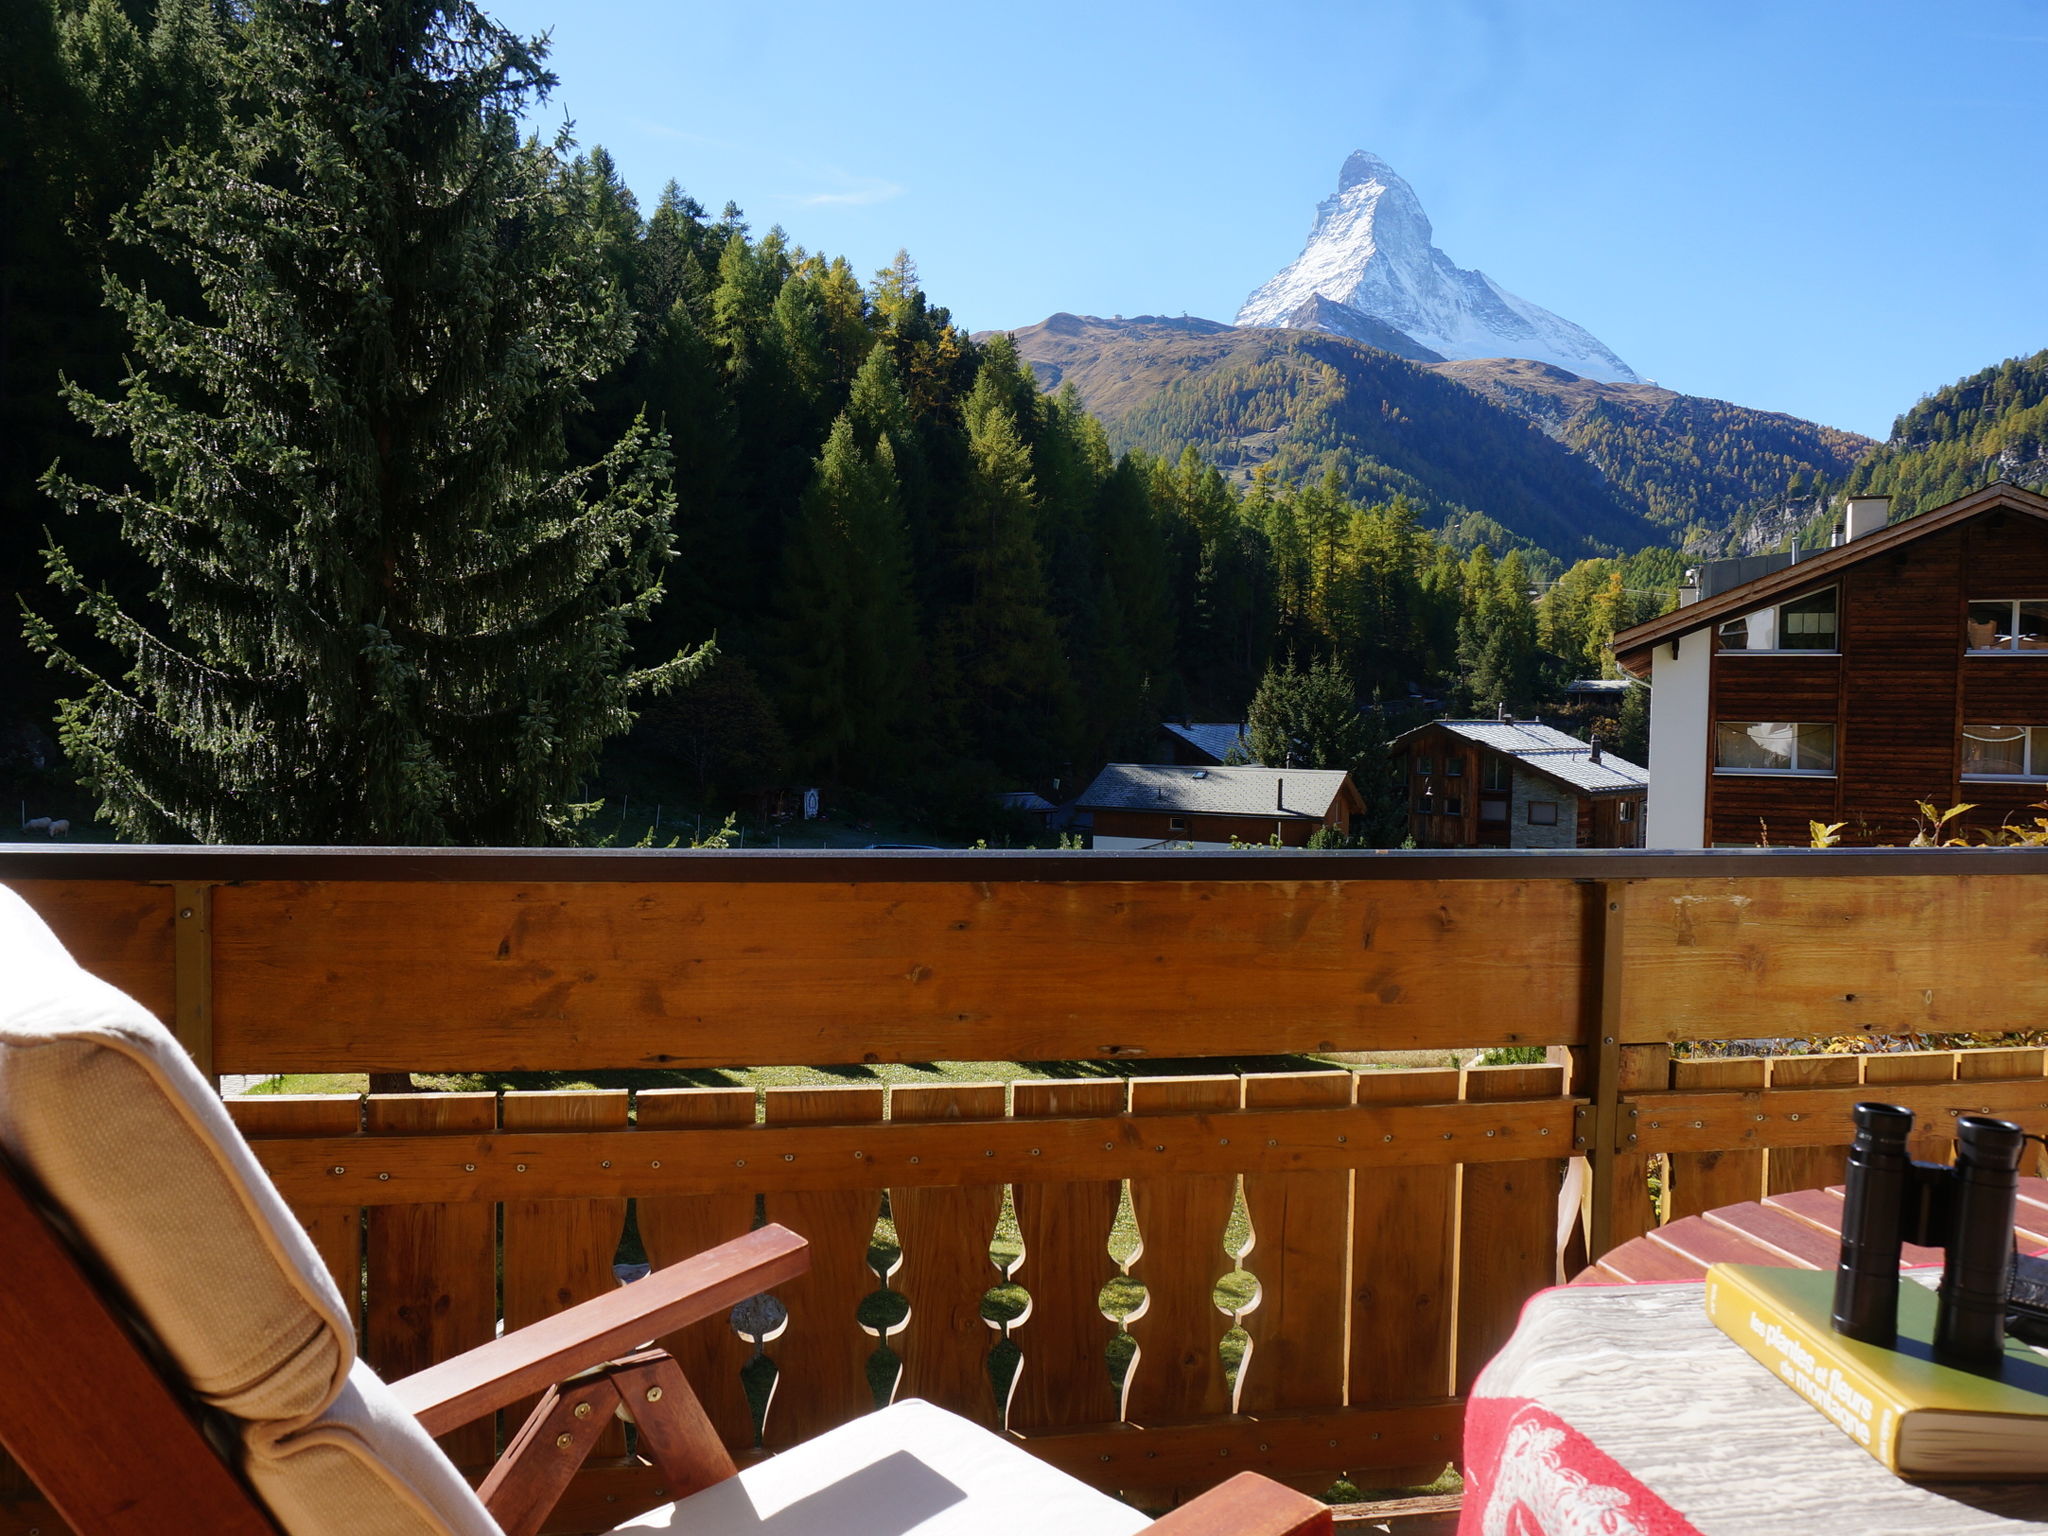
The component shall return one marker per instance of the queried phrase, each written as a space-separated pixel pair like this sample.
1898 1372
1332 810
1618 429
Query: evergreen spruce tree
1307 718
848 634
390 612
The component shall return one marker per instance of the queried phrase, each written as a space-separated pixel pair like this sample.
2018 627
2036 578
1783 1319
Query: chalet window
2007 624
1425 765
1542 813
1454 767
1176 823
1625 811
1426 805
1773 746
2005 752
1804 624
1493 773
1454 805
1493 810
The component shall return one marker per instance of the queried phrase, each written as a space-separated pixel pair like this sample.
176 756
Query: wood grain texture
1788 1168
1178 1372
1301 1254
110 1443
822 1354
336 1230
1702 1180
572 1165
1507 1226
560 1252
1064 1374
1403 1260
675 1227
119 930
944 1233
1247 1505
400 976
433 1281
1929 1141
1722 959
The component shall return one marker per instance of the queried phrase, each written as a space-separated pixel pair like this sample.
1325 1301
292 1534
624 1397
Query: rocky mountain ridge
1371 256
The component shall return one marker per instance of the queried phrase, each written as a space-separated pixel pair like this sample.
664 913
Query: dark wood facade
1461 795
1899 689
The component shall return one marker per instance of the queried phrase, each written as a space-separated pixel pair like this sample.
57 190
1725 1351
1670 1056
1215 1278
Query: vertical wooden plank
944 1232
1182 1219
2007 1063
1702 1181
433 1282
677 1227
1507 1226
560 1252
1790 1168
1404 1227
822 1354
336 1230
1063 1377
1299 1357
1301 1251
1928 1142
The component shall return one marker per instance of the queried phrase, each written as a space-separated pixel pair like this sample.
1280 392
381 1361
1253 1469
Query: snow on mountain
1371 253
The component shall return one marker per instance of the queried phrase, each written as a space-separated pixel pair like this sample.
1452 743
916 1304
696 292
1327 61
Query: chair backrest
109 1128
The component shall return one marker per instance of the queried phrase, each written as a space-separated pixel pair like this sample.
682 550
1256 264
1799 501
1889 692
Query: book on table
1920 1418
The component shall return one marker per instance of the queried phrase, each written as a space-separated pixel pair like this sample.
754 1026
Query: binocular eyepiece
1965 1210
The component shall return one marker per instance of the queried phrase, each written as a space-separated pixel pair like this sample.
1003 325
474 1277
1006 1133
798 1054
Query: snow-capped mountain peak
1372 252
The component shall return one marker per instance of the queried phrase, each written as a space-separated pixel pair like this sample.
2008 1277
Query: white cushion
363 1468
911 1468
107 1115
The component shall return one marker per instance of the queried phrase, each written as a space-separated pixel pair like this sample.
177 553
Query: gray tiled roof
1546 749
1214 791
1216 739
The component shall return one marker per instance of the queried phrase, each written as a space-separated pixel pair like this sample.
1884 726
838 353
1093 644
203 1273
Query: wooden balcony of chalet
1398 1217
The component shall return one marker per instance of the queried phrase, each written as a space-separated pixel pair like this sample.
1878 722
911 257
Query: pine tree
1307 719
389 612
848 632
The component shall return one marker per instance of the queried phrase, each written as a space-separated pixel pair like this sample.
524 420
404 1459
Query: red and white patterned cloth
1622 1411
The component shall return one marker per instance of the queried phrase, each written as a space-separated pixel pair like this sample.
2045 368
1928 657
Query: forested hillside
924 575
1300 403
1990 426
1696 468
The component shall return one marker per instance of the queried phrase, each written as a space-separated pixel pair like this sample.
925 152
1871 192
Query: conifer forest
378 471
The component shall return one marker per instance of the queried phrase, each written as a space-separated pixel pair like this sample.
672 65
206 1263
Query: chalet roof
1546 750
1808 572
1215 739
1264 792
1024 800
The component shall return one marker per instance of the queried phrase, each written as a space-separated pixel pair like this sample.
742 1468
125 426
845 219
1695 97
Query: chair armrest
533 1358
1247 1505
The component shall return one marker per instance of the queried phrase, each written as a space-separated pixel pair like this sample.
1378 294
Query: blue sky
1823 208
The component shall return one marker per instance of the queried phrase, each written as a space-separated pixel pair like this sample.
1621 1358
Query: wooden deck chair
174 1356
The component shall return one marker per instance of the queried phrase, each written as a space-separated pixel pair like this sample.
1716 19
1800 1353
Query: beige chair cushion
910 1470
101 1108
364 1468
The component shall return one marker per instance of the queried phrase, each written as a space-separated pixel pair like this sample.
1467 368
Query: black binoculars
1965 1210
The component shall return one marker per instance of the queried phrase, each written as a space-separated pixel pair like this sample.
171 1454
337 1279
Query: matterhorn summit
1369 266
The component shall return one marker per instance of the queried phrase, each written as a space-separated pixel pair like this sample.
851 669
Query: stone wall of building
1529 787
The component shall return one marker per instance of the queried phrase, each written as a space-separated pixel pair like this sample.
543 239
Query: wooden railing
1397 1219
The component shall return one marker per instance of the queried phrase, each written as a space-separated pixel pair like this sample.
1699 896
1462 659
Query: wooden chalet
1162 805
1517 784
1909 663
1201 743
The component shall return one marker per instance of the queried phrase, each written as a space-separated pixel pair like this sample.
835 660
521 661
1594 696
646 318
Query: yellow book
1919 1418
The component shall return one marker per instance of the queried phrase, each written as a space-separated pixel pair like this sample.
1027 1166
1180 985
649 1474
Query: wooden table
1800 1230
